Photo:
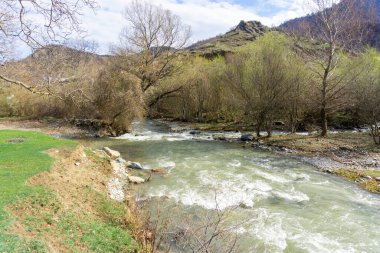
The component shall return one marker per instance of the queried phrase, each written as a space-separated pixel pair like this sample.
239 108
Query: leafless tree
150 44
38 23
54 70
335 26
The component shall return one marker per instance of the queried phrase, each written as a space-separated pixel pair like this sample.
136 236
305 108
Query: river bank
352 156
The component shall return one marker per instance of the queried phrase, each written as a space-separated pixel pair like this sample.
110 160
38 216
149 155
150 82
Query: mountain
244 32
372 36
63 53
55 63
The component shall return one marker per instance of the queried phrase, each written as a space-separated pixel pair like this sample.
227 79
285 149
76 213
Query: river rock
247 137
112 153
367 177
121 160
136 180
193 132
119 169
377 179
219 137
160 171
135 165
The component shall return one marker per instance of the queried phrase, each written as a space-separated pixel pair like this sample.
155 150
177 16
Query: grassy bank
21 157
55 200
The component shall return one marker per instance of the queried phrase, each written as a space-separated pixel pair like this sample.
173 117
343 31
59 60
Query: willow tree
261 76
366 92
150 44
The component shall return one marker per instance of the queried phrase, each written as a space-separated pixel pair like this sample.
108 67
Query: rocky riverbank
350 155
124 173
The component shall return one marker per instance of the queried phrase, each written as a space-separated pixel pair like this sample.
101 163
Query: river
292 207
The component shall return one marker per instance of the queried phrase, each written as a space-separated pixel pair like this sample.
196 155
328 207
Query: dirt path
53 127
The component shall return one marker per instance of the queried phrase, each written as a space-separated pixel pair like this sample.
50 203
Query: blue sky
206 17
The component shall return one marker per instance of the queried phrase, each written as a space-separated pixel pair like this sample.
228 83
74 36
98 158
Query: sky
207 18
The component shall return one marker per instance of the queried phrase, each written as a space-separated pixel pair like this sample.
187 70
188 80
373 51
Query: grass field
65 210
21 157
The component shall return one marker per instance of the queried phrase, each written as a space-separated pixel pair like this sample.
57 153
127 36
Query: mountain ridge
372 36
244 32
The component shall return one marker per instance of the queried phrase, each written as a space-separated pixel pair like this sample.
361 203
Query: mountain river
291 206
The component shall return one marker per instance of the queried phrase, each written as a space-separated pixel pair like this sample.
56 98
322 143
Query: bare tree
334 26
150 44
184 230
38 23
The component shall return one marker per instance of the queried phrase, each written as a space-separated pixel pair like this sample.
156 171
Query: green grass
372 173
95 235
20 160
356 176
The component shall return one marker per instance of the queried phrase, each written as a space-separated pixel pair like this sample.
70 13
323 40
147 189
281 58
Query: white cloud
206 17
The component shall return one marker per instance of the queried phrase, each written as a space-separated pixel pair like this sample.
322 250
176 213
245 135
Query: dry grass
315 143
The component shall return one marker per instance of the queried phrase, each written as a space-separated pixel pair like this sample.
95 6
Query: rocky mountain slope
372 36
244 32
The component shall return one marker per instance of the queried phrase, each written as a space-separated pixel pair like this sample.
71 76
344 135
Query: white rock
136 180
115 189
112 153
119 169
121 160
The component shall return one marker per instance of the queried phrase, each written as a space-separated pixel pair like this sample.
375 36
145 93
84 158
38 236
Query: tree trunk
375 133
324 122
259 124
258 128
269 128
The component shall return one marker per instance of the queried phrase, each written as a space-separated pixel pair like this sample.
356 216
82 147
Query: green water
293 207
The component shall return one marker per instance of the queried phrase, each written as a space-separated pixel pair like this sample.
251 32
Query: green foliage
21 157
366 90
248 86
267 76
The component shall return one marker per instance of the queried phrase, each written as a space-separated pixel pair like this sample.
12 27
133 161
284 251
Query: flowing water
294 207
